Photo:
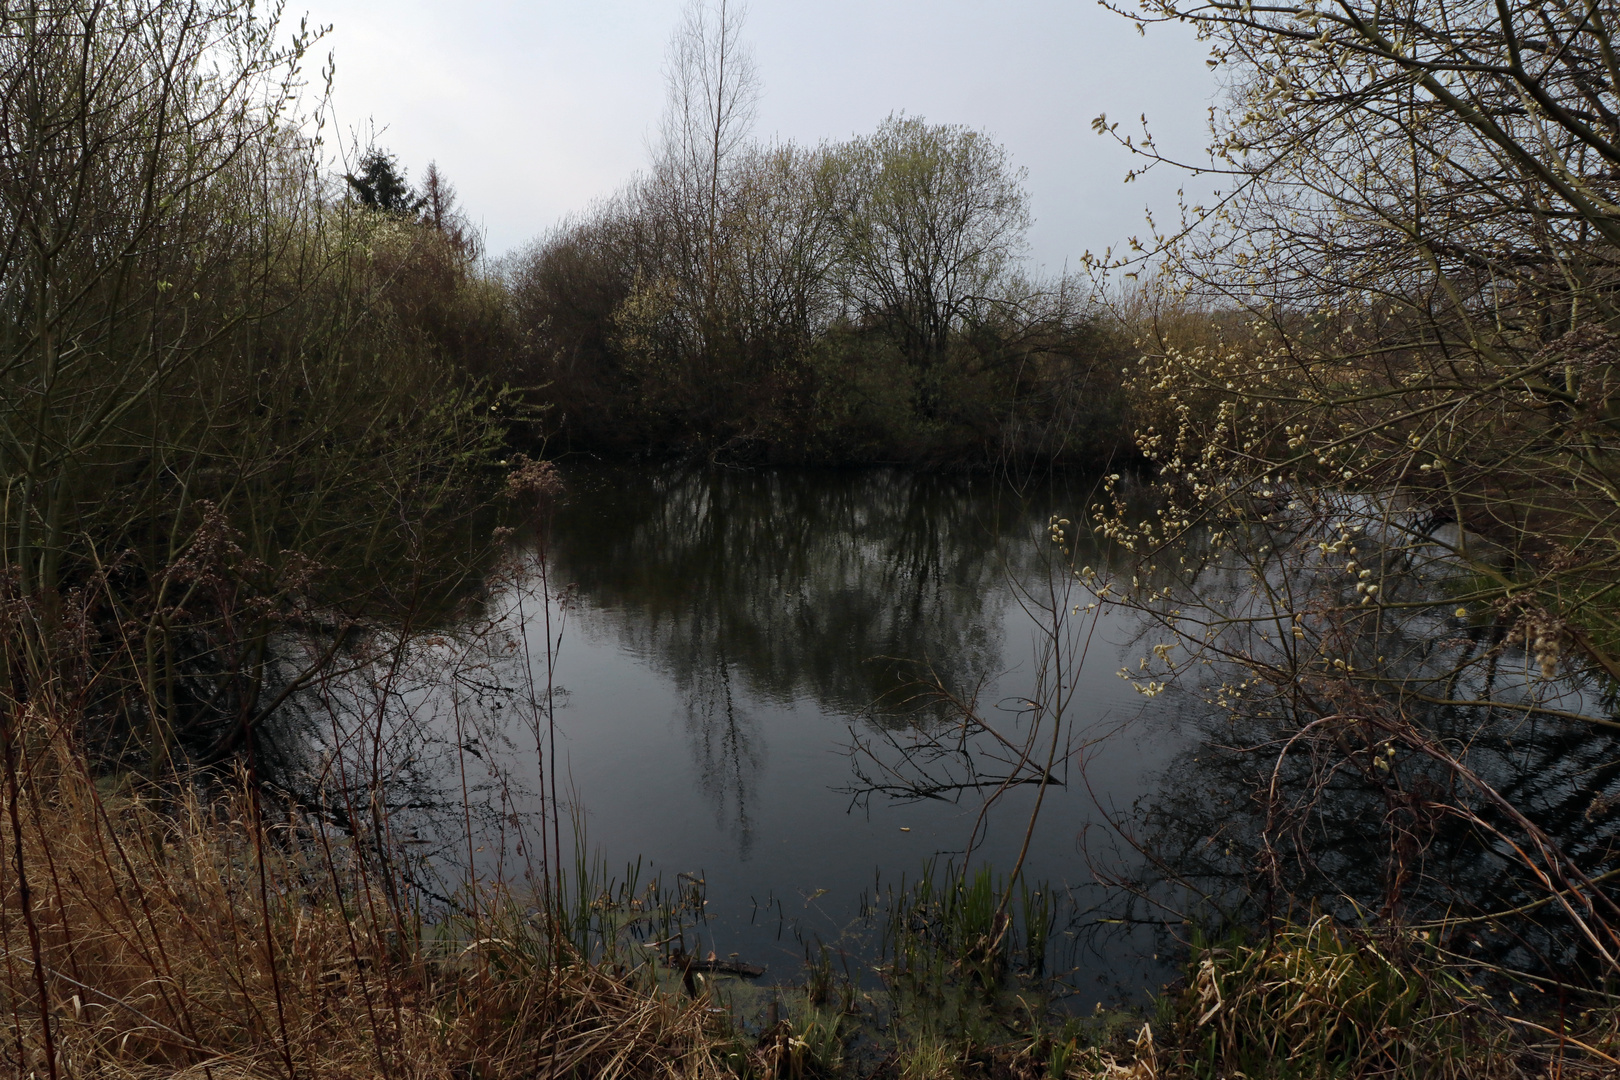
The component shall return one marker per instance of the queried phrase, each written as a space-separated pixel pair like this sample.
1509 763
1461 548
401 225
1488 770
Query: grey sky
534 109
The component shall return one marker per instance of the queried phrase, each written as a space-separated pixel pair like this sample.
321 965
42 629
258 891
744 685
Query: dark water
731 635
722 641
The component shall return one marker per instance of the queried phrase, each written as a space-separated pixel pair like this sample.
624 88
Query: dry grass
184 936
1318 1000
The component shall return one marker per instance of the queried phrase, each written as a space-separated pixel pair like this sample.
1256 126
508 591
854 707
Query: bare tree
712 94
937 218
1421 229
712 90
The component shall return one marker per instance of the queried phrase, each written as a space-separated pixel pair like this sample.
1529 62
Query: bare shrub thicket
226 393
1374 560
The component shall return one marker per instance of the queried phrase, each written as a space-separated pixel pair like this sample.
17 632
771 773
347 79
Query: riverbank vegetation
1382 563
257 436
260 434
228 415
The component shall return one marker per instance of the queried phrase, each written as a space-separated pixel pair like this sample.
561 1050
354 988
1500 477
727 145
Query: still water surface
728 637
722 639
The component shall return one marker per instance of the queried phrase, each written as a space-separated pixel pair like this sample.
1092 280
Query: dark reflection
1440 781
1375 847
720 634
779 586
791 574
727 749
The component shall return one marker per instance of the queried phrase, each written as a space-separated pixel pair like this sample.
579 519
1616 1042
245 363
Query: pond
721 669
729 637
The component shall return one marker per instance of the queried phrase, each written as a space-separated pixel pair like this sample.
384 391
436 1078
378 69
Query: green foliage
936 217
964 957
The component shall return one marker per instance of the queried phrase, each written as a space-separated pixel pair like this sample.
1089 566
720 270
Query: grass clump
965 941
956 980
1319 1000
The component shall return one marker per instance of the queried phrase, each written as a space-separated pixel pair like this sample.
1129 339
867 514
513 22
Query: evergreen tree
381 185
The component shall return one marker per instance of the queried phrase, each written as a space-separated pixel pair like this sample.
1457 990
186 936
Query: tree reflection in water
720 633
727 750
782 586
1392 761
1382 847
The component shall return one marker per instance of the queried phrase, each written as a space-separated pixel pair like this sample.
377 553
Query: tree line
849 301
231 374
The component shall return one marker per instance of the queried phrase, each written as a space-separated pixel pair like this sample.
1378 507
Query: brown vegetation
155 934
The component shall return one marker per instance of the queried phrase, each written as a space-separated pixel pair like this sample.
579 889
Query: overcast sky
533 109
